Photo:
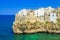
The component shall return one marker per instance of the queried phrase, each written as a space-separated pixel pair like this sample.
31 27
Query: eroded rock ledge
36 27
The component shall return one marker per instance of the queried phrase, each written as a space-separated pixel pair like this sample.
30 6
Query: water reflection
37 36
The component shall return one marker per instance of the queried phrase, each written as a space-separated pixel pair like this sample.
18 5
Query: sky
11 7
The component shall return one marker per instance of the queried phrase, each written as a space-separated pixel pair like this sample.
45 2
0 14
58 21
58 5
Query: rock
29 23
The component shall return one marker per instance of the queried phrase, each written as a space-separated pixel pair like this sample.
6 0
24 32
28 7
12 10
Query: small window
59 12
56 15
31 11
23 15
49 15
20 20
37 13
52 15
37 16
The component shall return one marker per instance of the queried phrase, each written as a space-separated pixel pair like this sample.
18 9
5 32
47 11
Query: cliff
29 24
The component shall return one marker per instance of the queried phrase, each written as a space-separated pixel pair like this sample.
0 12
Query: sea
6 33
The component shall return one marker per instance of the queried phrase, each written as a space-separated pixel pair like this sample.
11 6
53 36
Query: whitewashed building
41 14
53 17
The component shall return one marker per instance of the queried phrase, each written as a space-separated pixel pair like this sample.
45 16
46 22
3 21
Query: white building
42 14
22 12
39 12
53 17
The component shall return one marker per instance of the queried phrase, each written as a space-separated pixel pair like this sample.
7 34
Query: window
59 12
57 15
20 20
37 13
49 15
23 15
37 16
31 11
52 15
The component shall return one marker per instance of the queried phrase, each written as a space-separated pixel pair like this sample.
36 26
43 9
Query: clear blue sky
11 7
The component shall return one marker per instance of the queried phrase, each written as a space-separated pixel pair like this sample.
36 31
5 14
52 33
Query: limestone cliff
29 24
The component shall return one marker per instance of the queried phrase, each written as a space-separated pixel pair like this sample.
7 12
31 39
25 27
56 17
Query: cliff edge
28 22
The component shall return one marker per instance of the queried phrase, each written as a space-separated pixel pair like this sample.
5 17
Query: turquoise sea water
6 33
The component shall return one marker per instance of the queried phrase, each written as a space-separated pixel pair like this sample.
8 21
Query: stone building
29 21
42 14
31 16
58 12
20 16
39 14
47 14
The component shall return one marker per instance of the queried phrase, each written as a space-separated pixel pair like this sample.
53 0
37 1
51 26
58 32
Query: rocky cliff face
28 24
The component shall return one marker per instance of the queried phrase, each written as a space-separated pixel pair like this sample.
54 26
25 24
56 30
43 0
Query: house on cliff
42 14
58 13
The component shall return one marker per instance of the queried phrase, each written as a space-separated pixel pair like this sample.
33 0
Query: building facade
42 14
